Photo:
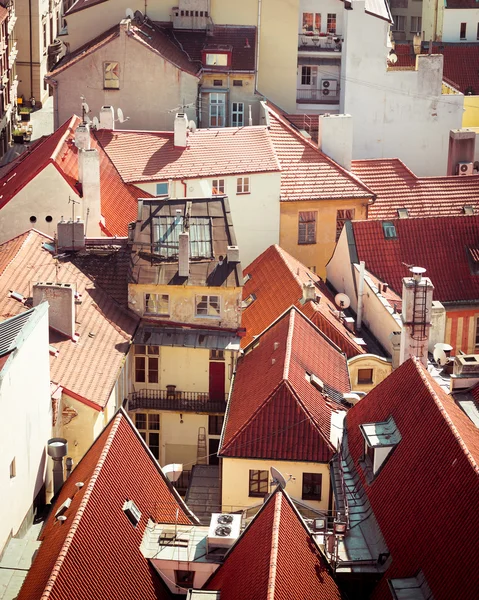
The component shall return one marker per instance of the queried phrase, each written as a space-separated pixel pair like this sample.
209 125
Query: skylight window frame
389 230
165 230
373 462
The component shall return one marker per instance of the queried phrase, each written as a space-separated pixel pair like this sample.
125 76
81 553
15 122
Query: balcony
171 399
310 43
317 96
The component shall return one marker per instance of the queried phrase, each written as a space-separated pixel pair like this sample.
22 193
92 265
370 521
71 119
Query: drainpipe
360 295
31 46
258 35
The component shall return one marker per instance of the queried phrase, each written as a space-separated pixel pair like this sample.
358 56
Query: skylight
132 512
249 300
403 213
166 230
380 439
389 230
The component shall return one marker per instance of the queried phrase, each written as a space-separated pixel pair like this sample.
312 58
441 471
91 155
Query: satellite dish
129 13
85 107
95 122
119 112
192 126
139 17
277 477
440 353
173 471
342 300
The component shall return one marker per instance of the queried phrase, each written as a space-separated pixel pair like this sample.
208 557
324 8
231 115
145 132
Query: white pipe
250 118
258 36
360 295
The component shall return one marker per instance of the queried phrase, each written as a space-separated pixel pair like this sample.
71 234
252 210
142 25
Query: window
157 304
312 486
166 230
184 579
242 185
477 332
111 76
365 376
216 60
307 227
309 76
45 43
477 34
389 230
462 34
217 354
399 23
248 300
237 82
311 22
341 217
416 24
403 213
258 483
146 363
237 114
468 209
218 186
215 424
162 189
208 306
217 110
148 425
217 82
380 439
13 469
331 28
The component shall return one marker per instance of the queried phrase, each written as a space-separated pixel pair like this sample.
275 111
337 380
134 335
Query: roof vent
132 512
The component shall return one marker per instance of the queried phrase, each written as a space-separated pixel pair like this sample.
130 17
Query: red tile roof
151 156
421 498
10 249
281 560
96 553
307 173
274 410
437 244
397 187
309 123
276 279
88 368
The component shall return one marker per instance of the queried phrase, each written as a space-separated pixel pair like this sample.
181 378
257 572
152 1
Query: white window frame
216 59
238 113
243 185
155 304
332 17
309 72
161 185
209 311
218 186
217 109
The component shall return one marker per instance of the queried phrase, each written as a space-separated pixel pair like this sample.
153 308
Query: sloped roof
90 366
439 244
95 553
280 558
10 330
397 187
307 173
276 279
274 411
151 156
421 498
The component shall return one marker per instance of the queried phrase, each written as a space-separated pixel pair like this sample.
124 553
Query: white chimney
336 138
61 301
416 316
107 118
89 176
82 136
184 254
309 292
71 235
181 130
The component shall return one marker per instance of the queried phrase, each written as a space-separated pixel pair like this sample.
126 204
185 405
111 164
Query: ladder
201 454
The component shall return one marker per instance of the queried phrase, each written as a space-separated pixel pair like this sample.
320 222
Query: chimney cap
57 447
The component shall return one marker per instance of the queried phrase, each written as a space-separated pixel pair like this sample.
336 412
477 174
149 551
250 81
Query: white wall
451 27
322 7
25 424
395 113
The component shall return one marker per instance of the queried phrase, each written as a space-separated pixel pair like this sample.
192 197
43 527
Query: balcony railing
176 400
330 42
318 96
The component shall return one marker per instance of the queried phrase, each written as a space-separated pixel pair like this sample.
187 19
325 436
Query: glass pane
140 369
154 422
140 420
154 444
214 306
201 305
153 370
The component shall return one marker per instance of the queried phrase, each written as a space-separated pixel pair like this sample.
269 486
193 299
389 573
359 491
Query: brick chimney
180 130
61 300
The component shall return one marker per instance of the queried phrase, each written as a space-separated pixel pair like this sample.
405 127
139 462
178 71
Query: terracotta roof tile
276 279
421 498
280 558
90 366
438 244
397 187
96 553
10 249
151 156
274 410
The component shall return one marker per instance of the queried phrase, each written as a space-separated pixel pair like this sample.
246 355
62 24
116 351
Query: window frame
312 495
218 186
239 114
157 303
389 230
418 22
397 20
243 185
256 481
312 22
208 306
111 70
215 424
332 18
217 105
477 333
182 583
307 227
149 359
463 31
149 433
162 185
343 215
365 381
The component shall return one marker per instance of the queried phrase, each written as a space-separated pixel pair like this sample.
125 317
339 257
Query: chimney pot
82 136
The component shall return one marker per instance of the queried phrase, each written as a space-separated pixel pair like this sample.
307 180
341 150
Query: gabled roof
276 279
278 558
397 187
12 330
89 367
151 156
274 410
307 173
95 553
440 245
421 497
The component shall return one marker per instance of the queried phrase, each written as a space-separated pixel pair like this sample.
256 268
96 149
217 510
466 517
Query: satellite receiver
129 13
278 479
192 126
95 122
342 300
139 17
119 112
440 353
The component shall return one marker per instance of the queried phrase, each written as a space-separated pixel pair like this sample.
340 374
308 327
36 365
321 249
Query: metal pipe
31 46
360 295
258 35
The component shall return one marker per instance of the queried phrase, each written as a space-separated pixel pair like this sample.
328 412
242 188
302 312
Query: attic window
249 300
246 278
217 59
132 511
389 230
379 441
166 230
315 381
403 213
468 209
412 588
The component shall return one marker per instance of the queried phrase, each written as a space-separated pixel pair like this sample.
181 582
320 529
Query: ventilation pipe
57 448
359 317
184 254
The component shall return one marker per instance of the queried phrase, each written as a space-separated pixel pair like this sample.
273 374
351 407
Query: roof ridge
27 235
447 418
282 253
81 509
289 340
274 546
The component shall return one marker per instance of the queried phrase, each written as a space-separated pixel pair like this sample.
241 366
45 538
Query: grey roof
10 330
187 338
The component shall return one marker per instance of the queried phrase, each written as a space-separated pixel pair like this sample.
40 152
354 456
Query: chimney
462 143
416 316
82 136
61 300
89 176
336 138
184 254
107 118
309 292
57 448
71 235
181 130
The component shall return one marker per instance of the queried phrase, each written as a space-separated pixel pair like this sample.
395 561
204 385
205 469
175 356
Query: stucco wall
461 326
380 366
25 426
451 28
471 111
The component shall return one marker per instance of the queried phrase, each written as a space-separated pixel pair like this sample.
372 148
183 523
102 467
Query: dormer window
249 300
389 230
380 439
217 56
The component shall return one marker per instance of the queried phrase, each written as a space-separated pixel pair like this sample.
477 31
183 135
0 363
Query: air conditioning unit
224 531
329 86
465 168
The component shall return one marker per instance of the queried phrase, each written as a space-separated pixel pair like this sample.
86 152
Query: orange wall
461 329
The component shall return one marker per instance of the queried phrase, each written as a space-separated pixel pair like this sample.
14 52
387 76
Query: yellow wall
182 303
318 254
381 367
235 481
471 111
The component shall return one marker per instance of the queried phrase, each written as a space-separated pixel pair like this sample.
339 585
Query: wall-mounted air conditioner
465 168
329 86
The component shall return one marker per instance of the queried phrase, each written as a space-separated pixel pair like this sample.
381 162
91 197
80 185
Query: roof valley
274 546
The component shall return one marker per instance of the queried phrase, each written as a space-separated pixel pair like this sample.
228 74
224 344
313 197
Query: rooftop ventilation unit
465 168
224 530
232 254
466 364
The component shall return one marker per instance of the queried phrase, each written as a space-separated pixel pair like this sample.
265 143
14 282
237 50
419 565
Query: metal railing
318 96
320 41
343 483
176 400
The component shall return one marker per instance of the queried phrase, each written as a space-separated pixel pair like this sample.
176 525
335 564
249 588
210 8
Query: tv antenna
182 107
342 301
